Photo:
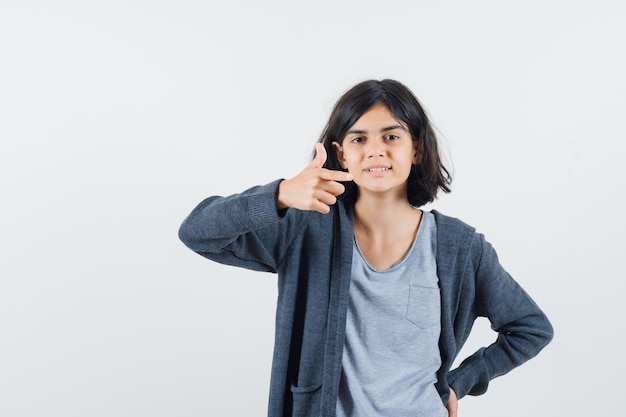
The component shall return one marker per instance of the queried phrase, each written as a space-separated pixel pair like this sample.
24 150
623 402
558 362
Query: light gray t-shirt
391 353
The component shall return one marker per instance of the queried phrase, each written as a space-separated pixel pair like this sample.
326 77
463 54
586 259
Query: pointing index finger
333 175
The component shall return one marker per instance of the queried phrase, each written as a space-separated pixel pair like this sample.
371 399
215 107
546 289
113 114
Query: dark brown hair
429 175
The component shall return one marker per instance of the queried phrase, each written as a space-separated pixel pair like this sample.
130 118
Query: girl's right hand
315 188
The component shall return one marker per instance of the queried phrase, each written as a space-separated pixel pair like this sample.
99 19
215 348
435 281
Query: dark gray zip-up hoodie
312 254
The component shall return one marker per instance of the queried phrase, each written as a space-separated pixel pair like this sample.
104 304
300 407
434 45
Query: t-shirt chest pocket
424 306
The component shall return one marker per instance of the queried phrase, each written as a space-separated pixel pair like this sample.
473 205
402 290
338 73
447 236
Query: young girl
375 296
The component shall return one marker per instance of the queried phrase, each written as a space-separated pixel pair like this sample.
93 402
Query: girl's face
378 151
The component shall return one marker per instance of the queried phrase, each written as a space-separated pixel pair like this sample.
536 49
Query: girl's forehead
378 114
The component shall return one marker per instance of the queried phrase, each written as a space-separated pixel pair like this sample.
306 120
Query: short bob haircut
425 178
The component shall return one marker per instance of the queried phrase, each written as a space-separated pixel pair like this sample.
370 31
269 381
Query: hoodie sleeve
245 230
523 330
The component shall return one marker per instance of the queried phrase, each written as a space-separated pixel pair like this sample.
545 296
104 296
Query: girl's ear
419 151
339 151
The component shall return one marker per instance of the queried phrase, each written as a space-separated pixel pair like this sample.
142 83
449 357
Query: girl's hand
453 404
315 188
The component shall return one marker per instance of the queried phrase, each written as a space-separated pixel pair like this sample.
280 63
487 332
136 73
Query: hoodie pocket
306 400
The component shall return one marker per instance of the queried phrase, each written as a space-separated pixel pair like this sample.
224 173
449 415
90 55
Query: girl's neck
385 217
385 229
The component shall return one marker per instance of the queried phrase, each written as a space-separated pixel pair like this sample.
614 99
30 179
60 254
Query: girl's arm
243 229
254 229
523 329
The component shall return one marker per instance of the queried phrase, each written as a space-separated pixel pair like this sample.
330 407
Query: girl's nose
374 149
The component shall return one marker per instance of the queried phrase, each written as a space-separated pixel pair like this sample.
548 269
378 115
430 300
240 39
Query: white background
117 118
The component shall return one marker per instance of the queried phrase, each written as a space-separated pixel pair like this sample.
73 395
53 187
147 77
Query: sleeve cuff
261 204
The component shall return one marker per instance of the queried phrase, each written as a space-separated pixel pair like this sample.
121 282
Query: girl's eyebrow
384 129
393 127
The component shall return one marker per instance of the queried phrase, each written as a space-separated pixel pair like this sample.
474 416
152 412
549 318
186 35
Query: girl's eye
391 137
357 140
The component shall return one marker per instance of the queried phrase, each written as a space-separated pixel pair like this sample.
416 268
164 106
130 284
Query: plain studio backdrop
117 118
